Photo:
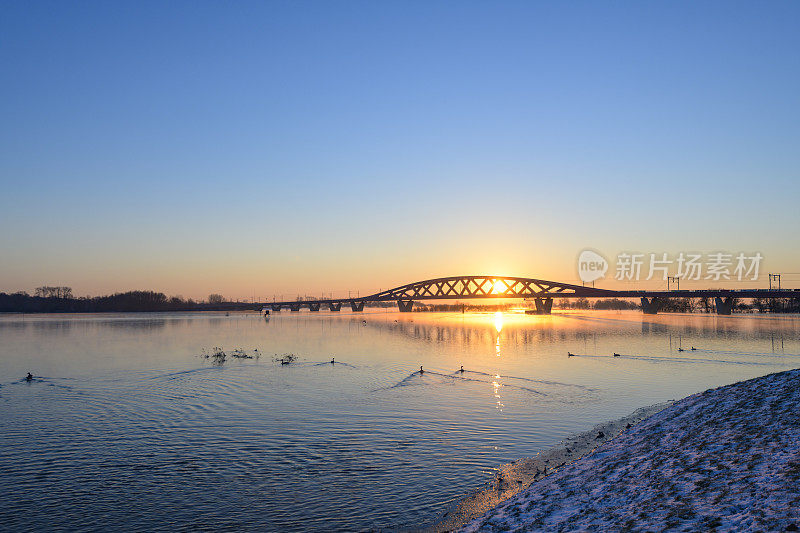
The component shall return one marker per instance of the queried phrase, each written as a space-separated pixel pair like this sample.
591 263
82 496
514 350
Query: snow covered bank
727 458
517 476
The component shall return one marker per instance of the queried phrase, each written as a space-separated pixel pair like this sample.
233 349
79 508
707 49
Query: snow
517 476
727 459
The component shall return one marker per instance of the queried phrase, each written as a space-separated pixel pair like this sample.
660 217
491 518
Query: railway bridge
542 292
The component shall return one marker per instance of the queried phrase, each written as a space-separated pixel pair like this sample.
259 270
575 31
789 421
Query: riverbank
515 477
726 458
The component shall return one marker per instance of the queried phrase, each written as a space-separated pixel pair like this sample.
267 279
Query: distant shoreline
124 302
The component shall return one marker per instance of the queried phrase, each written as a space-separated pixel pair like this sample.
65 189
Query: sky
261 149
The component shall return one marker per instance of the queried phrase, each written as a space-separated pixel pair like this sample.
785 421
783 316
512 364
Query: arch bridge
541 291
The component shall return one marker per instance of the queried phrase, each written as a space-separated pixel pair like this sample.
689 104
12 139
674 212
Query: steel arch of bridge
453 287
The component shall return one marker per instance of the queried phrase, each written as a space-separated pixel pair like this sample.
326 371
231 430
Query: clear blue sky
284 147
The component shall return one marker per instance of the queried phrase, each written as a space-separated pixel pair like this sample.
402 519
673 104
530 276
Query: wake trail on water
328 363
40 379
659 359
733 352
415 379
190 371
543 381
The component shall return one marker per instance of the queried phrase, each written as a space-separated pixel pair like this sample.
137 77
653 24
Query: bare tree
46 291
215 299
63 292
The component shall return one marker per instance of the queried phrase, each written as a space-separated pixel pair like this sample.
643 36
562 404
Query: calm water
131 428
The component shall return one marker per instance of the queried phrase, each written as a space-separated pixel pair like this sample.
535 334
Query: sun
499 287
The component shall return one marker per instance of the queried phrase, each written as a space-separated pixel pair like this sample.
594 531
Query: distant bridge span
541 291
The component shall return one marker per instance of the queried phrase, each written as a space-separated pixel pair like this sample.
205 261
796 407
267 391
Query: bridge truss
541 291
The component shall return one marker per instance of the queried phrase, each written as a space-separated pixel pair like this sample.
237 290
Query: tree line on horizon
689 305
48 299
51 299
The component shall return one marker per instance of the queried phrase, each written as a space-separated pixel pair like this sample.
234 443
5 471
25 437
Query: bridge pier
275 308
405 305
313 307
335 306
651 306
544 306
357 307
294 308
724 307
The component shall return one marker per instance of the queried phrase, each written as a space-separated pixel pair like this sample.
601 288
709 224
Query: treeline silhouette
607 304
131 301
689 305
60 300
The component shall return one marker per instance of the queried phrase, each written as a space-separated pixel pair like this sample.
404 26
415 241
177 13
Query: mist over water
127 425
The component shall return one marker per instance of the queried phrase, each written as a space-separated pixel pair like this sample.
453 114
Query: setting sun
499 287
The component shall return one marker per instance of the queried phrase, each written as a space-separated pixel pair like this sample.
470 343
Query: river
131 423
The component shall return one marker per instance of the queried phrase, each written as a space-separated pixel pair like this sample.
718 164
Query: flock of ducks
570 354
421 371
29 377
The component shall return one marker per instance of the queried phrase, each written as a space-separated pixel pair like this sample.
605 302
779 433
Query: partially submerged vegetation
218 356
285 359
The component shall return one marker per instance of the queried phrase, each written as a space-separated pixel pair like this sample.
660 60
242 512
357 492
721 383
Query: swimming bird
694 349
364 322
29 377
420 370
570 354
462 369
616 354
333 361
284 362
681 350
